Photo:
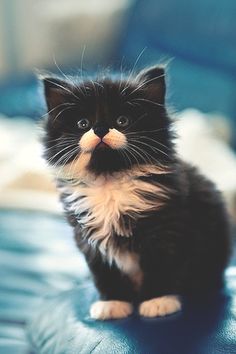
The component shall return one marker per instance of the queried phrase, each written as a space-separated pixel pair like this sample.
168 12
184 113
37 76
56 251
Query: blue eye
83 124
122 121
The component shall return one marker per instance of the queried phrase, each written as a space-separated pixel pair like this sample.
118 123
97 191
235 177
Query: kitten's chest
110 206
104 208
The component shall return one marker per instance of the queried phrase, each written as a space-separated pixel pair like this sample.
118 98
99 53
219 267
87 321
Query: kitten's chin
106 160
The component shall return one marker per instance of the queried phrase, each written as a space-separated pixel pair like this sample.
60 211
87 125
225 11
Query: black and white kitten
150 226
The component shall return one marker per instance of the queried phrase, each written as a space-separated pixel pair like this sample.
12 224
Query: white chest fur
102 203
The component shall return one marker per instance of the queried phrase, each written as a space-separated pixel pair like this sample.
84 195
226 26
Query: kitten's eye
83 124
122 121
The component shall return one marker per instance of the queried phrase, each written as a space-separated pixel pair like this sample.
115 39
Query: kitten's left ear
153 81
55 91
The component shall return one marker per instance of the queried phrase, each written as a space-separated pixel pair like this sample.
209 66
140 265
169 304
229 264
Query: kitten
150 226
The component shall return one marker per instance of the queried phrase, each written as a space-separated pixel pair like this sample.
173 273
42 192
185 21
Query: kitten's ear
153 81
55 91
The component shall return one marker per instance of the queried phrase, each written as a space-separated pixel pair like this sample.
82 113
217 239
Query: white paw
105 310
160 306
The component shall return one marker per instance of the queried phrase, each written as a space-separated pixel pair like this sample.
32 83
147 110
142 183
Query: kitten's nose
101 131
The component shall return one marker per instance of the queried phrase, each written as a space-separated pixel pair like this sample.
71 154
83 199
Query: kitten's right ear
55 91
153 82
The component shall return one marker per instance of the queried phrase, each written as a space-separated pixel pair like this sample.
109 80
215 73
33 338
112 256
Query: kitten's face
105 126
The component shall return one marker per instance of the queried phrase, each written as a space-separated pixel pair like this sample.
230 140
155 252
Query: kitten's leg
115 290
160 306
105 310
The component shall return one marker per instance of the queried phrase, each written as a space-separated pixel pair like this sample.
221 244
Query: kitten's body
151 228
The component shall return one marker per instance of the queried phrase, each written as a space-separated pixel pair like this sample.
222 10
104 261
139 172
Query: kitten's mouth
101 145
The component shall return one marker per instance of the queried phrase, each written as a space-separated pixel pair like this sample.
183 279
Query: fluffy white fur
160 306
105 310
108 198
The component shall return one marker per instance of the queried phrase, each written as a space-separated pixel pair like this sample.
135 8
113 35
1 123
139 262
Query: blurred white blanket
25 180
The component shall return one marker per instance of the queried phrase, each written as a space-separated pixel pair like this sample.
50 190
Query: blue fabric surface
38 258
204 327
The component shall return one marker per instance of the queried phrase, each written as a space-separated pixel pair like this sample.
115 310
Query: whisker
64 138
136 121
132 71
152 140
53 109
60 70
145 83
81 66
121 72
75 150
61 145
63 88
142 154
148 101
131 152
147 131
151 147
58 115
59 152
66 157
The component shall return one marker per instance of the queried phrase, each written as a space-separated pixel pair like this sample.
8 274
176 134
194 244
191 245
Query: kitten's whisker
132 71
148 101
149 139
60 145
71 171
58 115
72 167
121 72
150 158
154 148
65 158
68 137
145 83
81 66
123 153
131 152
53 109
155 141
94 89
59 152
131 104
146 131
141 117
142 154
134 149
63 88
69 79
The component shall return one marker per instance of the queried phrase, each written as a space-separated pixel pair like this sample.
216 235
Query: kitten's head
107 125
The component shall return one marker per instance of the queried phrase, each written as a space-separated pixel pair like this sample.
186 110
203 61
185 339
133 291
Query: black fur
183 247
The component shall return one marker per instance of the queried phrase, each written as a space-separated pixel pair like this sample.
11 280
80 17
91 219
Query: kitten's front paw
105 310
160 306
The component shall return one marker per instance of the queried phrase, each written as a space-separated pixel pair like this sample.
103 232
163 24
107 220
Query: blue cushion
63 325
207 326
38 256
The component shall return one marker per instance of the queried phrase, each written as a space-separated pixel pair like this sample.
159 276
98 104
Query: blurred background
197 38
